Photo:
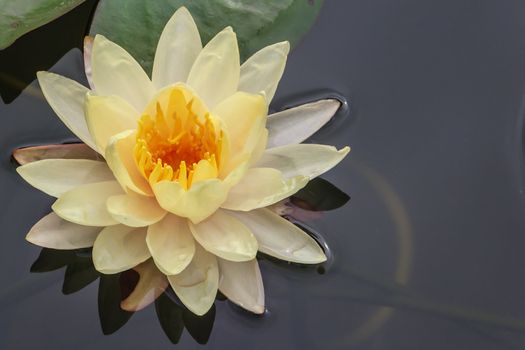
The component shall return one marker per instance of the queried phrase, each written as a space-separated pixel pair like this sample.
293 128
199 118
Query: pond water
428 254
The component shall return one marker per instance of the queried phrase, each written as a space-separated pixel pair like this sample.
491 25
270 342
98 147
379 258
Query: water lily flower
190 167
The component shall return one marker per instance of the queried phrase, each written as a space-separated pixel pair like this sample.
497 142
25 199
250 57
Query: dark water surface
435 229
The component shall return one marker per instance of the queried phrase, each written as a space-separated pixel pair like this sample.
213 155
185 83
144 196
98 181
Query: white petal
86 204
242 283
67 97
197 285
152 283
280 238
178 47
171 244
305 159
67 151
53 232
119 248
296 124
107 116
261 187
57 176
88 49
135 210
215 73
264 69
225 237
115 72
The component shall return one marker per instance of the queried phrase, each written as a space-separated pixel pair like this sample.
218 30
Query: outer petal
197 285
178 47
119 248
305 159
215 73
244 116
171 244
261 187
66 151
107 116
196 204
280 238
119 155
88 49
226 237
242 283
67 97
57 176
86 205
53 232
115 72
296 124
134 210
264 69
152 283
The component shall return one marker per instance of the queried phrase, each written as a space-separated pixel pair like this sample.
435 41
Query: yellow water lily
187 174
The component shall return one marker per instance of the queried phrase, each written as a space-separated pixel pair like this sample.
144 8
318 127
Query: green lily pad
136 25
18 17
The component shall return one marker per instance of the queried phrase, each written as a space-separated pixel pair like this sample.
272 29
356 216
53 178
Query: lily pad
136 25
18 17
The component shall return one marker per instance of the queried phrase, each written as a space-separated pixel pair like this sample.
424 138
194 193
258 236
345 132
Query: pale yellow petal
196 204
67 98
204 171
215 73
226 237
107 116
115 72
280 238
152 283
55 233
171 244
57 176
86 204
178 47
305 159
261 187
119 155
197 285
119 248
260 147
296 124
241 282
135 210
263 70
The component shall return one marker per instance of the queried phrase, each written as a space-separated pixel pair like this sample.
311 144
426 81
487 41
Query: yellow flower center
177 140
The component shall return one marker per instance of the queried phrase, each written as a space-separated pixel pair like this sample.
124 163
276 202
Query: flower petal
86 204
134 210
263 70
119 155
67 151
197 285
305 159
152 283
119 248
171 244
67 97
107 116
88 49
244 116
215 73
197 203
296 124
178 47
242 283
57 176
261 187
53 232
280 238
115 72
226 237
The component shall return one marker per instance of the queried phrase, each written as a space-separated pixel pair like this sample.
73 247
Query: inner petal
178 140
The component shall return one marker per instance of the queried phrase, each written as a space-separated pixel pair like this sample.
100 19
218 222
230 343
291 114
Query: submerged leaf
136 24
319 195
18 17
